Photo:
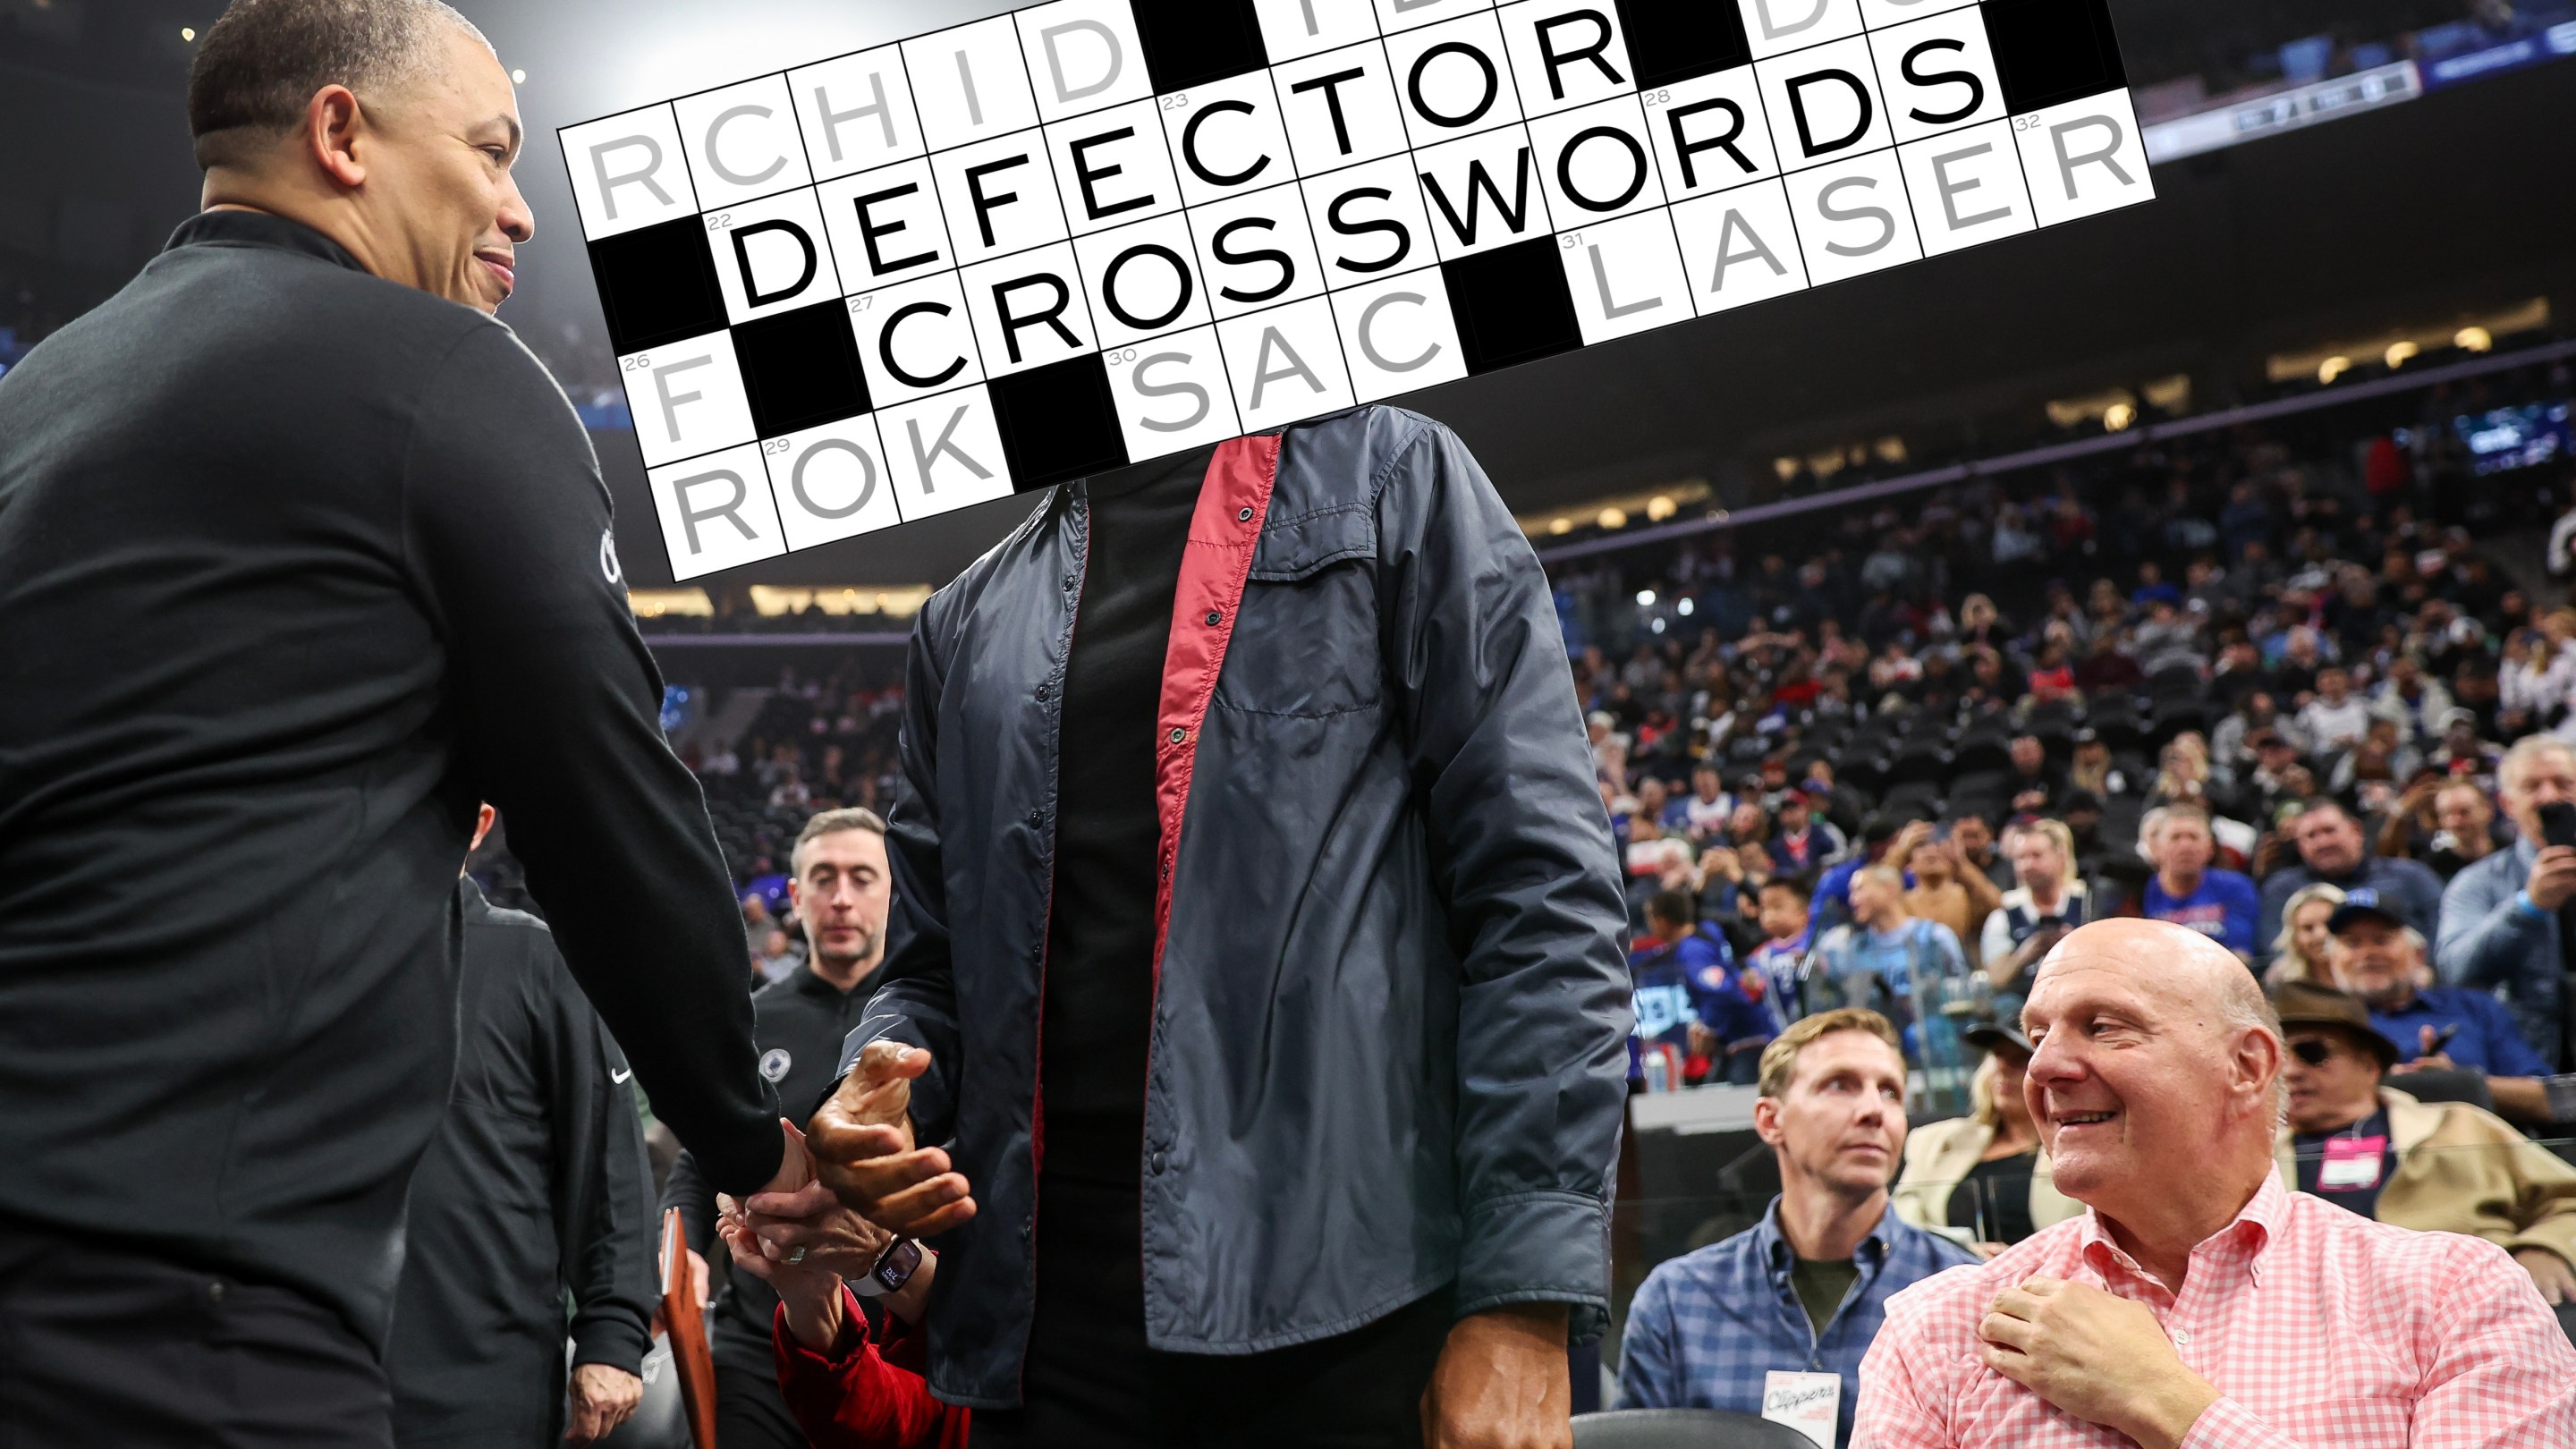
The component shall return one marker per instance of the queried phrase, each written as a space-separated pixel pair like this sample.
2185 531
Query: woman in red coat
849 1385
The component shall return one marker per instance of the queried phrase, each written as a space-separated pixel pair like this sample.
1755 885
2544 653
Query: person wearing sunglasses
2435 1166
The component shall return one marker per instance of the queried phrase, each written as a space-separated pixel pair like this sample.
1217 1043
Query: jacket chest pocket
1305 639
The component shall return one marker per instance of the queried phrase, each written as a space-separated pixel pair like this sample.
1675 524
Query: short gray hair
2528 749
261 61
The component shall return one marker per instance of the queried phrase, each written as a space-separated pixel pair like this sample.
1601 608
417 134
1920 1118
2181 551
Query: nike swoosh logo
619 1078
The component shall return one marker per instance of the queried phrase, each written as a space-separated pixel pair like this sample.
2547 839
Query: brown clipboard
686 1324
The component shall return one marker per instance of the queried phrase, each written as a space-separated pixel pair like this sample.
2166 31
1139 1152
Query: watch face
895 1268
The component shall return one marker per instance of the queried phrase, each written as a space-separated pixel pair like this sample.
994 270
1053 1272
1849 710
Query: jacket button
1037 817
1179 734
1245 516
1157 1164
1045 690
1069 582
1215 618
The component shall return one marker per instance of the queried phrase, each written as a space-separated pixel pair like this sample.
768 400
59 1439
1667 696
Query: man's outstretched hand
864 1152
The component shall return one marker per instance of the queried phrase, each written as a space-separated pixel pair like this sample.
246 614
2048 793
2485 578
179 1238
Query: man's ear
2258 1065
1766 1119
333 124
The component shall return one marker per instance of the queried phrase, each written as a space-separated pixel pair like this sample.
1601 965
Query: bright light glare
1645 598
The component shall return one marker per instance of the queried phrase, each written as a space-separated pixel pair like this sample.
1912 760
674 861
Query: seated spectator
1804 1289
2331 850
2444 821
2504 919
2091 769
2301 951
2081 810
1687 997
1981 1179
852 1381
1974 835
2461 753
1776 964
2186 889
2198 1302
1884 840
2278 778
1943 891
2047 901
2416 704
2037 783
2432 1166
2336 719
2437 1028
777 959
1801 844
1884 959
1702 813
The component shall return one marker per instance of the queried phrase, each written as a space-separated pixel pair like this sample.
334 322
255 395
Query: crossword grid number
852 294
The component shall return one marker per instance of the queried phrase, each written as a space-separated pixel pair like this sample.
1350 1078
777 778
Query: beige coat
1939 1154
2464 1170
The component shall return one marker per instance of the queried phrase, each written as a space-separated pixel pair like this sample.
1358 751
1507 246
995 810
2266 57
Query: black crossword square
1677 40
1512 305
1198 42
658 284
800 369
1058 422
2049 52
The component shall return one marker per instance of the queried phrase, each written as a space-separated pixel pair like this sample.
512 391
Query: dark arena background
2065 526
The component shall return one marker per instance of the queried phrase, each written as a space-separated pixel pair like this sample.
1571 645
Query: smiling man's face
2130 1078
446 211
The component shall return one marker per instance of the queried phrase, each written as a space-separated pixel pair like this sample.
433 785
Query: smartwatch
894 1268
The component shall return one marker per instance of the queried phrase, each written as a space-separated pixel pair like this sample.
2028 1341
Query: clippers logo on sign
996 257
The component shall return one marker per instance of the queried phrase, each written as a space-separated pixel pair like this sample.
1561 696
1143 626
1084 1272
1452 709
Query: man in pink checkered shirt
2198 1304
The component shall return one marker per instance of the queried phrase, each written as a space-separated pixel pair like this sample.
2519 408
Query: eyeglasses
2312 1051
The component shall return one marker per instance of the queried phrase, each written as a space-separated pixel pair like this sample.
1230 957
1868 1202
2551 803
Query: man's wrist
2527 907
2171 1410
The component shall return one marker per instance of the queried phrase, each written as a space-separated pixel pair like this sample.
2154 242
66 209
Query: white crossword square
831 482
716 512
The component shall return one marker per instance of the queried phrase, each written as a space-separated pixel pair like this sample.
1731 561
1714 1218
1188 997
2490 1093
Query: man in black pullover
534 1192
302 555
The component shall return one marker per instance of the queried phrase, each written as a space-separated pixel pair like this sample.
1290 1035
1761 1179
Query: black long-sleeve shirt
535 1187
297 564
800 1021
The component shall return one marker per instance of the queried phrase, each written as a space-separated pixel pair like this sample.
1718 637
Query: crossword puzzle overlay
863 291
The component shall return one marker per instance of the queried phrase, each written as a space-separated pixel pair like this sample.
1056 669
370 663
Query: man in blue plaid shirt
1791 1303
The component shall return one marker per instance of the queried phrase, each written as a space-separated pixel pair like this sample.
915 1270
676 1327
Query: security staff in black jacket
536 1188
302 555
841 886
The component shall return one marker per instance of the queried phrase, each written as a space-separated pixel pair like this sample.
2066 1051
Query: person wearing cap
2448 1167
2505 920
1983 1179
1884 840
1802 842
2379 958
2332 849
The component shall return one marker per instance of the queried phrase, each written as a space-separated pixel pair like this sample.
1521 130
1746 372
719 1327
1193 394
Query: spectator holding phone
2504 920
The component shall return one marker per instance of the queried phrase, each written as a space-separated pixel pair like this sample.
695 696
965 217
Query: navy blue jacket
1391 1007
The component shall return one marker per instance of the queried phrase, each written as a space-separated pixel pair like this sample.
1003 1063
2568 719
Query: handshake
848 1186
